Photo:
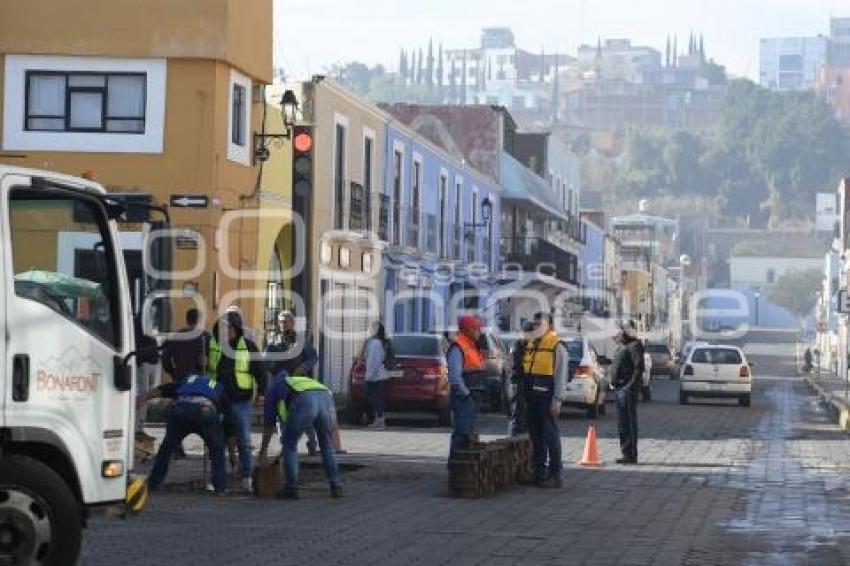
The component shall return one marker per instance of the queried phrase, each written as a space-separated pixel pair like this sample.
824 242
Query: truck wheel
40 519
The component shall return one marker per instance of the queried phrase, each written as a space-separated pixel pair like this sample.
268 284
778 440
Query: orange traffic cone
591 452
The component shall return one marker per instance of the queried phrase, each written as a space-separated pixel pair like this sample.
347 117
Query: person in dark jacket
243 374
184 356
626 373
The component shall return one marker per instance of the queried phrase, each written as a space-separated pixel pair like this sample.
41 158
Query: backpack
390 362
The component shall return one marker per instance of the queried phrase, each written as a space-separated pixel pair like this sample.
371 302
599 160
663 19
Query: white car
716 371
586 386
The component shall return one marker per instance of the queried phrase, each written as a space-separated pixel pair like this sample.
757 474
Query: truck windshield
63 259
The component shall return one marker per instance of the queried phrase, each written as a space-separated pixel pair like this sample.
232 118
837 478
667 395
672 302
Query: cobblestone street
717 484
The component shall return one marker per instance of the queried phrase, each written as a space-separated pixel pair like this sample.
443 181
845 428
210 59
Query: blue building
442 218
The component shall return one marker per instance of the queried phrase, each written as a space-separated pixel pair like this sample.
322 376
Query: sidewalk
834 392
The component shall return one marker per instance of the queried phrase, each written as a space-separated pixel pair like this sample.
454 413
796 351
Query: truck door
66 320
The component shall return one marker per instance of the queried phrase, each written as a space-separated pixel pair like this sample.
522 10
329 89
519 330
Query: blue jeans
627 423
309 409
185 419
240 419
545 435
465 418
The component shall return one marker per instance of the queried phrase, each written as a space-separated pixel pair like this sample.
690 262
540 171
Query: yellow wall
234 31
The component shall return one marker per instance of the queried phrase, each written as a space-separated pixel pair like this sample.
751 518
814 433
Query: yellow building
154 97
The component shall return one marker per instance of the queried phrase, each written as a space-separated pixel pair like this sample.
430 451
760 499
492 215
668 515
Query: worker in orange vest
466 377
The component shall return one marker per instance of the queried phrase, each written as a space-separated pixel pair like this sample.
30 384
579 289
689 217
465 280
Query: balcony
538 255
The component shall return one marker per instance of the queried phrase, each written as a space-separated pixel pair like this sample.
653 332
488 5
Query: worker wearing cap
465 368
626 372
545 373
299 402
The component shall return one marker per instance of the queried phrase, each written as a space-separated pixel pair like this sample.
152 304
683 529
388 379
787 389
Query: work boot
336 491
287 493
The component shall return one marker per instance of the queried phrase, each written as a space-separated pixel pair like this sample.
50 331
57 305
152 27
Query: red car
420 385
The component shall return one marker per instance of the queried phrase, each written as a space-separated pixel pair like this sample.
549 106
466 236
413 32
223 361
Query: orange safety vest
472 358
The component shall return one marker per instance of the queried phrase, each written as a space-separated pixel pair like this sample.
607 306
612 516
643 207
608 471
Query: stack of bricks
480 469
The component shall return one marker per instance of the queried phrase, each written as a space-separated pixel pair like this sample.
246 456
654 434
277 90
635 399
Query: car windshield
416 345
720 356
575 349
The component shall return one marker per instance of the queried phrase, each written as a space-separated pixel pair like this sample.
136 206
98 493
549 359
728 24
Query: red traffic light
303 142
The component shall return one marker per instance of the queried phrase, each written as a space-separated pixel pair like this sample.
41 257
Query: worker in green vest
300 402
234 359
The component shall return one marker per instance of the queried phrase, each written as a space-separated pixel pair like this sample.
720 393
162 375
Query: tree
797 291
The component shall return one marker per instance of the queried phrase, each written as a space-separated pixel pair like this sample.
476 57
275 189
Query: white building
792 63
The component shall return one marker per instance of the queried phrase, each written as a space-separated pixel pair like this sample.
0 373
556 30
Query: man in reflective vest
240 368
465 368
545 373
198 408
299 402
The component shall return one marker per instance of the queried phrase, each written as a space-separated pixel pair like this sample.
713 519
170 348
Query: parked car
718 372
587 384
662 359
419 385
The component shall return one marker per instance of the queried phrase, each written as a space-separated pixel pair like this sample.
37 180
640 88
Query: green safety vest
242 367
299 384
213 358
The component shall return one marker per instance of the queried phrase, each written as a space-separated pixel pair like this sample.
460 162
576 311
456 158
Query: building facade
792 63
162 107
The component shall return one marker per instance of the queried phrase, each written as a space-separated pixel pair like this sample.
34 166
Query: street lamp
289 111
486 215
757 297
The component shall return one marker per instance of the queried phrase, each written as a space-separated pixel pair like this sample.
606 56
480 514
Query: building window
367 180
237 116
443 203
458 228
339 176
416 192
85 102
397 165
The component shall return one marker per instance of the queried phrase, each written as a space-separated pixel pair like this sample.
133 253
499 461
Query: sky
311 35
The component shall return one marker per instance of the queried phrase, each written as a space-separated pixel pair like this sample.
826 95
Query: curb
839 404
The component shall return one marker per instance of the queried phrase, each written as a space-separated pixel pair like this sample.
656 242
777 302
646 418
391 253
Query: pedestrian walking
198 408
626 372
283 353
519 411
298 402
545 370
243 374
376 375
467 380
184 355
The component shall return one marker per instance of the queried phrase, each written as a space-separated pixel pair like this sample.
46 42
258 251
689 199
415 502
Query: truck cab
66 411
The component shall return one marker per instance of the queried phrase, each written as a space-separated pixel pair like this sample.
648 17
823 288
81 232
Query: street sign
190 201
843 302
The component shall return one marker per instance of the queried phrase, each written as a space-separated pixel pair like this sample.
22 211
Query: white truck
67 410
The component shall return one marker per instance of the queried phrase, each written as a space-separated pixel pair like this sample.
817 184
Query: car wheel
745 401
683 398
646 393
